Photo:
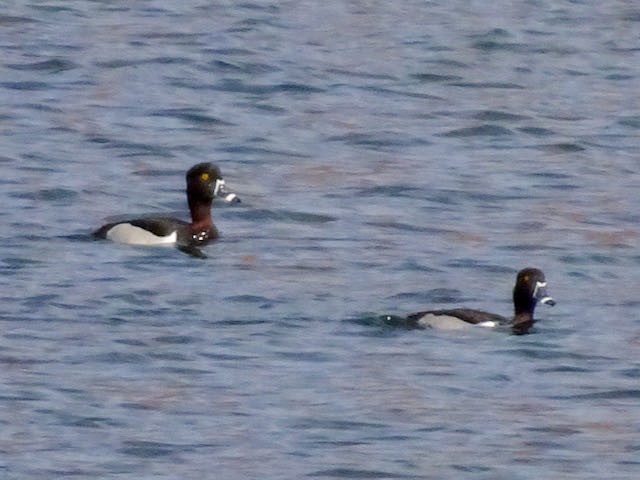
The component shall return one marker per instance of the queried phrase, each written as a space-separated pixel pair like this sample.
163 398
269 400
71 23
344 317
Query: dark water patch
356 473
406 227
172 357
471 263
497 116
122 63
622 394
55 65
133 342
248 68
139 298
469 468
433 295
364 75
133 149
238 86
487 85
176 339
620 77
591 259
10 361
22 396
390 191
264 107
306 356
26 85
434 77
555 429
261 151
379 140
191 115
48 195
54 9
543 352
551 175
340 425
495 40
561 148
70 420
146 449
633 122
492 45
284 216
226 357
564 369
41 107
417 266
487 130
18 263
403 93
536 131
229 51
8 20
117 358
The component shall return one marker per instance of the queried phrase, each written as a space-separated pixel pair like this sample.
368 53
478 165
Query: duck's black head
531 287
203 181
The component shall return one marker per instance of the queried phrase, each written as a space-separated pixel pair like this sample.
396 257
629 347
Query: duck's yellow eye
204 177
526 278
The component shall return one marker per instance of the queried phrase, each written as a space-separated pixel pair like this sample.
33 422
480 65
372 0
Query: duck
530 288
204 183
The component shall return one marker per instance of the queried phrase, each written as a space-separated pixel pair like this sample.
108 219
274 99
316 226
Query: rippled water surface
390 157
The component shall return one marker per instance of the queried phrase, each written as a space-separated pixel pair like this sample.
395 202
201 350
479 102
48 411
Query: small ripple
356 473
26 85
602 395
144 449
537 131
379 140
176 339
471 263
14 20
54 65
487 130
597 259
633 122
285 216
191 115
497 85
118 357
433 77
47 195
120 63
497 115
560 148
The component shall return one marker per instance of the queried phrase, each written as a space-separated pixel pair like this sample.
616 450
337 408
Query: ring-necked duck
204 182
529 289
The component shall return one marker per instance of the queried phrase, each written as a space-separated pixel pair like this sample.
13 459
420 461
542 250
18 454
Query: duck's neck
523 318
200 216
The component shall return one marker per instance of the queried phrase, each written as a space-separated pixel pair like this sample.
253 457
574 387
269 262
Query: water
390 158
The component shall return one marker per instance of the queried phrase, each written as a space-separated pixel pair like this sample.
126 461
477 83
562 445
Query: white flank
443 322
488 324
132 235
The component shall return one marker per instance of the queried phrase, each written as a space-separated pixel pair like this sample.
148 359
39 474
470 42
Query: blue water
391 157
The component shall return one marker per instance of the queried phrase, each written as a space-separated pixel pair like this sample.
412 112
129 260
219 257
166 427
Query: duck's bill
220 190
548 301
540 293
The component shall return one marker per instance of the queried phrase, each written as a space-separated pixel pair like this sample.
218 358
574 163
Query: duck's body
529 289
204 182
